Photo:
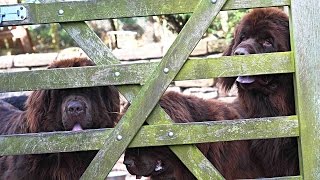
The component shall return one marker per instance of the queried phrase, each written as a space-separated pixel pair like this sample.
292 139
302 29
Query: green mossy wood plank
222 130
151 92
129 91
152 135
101 9
137 73
196 162
306 35
227 66
245 4
90 43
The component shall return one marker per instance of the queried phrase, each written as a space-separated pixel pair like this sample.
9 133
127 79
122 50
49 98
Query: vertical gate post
306 47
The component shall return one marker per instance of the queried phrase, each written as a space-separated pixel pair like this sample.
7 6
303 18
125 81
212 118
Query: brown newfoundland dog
232 159
71 109
263 31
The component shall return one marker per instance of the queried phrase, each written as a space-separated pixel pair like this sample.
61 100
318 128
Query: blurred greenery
230 18
234 18
51 37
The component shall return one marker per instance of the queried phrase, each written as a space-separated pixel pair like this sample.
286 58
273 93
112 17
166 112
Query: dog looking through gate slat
71 109
232 159
263 31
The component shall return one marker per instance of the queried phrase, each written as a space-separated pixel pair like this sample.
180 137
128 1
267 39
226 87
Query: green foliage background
51 37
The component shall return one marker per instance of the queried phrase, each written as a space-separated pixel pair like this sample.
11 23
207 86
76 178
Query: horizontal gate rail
153 135
137 73
101 9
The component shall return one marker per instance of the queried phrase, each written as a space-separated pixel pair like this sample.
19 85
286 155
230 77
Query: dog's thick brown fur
230 158
263 31
57 110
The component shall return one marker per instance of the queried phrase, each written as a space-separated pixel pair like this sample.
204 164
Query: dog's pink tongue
245 79
77 127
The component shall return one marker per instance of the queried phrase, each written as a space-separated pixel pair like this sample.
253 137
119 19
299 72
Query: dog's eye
267 43
242 37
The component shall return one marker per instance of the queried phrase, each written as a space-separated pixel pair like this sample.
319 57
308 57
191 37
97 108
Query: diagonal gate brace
151 92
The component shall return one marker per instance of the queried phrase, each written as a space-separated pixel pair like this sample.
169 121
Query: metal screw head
170 134
117 74
166 70
119 137
61 12
213 1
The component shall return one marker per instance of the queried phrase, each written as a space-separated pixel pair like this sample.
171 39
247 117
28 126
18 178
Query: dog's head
72 108
262 30
156 162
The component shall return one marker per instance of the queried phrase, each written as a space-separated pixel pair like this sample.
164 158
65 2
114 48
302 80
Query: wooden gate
143 84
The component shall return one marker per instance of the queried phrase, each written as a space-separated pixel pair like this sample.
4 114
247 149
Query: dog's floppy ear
227 82
40 103
111 100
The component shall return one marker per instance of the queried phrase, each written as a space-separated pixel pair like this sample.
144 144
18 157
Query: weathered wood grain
306 35
152 135
138 73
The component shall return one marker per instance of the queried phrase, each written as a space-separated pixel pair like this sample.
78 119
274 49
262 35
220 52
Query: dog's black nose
75 108
128 162
241 51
